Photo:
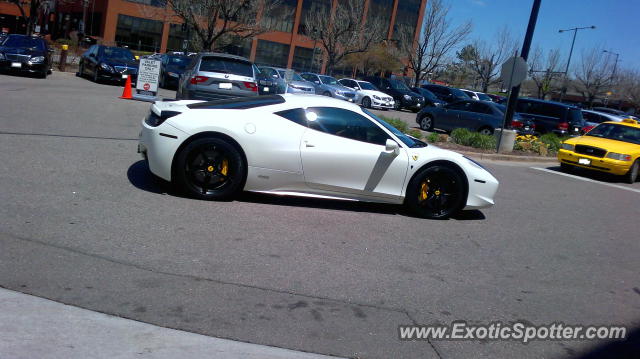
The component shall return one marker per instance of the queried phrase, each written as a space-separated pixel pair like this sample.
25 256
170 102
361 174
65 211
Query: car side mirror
274 76
392 146
92 55
316 82
50 50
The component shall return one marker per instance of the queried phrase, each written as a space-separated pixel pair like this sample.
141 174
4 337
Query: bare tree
544 70
594 74
344 31
628 87
485 60
380 58
437 41
214 20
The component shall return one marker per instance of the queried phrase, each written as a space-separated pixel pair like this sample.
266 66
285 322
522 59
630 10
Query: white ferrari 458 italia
306 145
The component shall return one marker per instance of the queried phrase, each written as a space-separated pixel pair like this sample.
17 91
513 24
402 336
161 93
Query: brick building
148 25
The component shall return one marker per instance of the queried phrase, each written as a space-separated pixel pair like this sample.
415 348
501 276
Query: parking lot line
586 179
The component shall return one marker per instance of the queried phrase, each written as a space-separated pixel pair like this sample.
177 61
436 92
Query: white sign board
148 74
514 71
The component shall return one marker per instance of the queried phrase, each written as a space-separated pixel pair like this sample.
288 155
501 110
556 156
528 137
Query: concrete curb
505 157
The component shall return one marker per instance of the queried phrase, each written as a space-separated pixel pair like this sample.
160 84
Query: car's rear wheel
210 168
486 131
426 123
81 70
366 102
632 175
326 93
436 192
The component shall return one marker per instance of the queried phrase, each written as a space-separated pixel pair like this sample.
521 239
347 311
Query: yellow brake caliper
225 167
424 188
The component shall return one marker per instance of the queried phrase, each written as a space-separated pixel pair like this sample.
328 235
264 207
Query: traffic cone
126 93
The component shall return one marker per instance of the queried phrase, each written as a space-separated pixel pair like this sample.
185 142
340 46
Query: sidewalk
32 327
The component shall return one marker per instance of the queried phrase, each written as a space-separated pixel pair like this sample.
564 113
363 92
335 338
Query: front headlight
407 97
376 97
2 56
37 59
173 74
106 67
618 156
566 146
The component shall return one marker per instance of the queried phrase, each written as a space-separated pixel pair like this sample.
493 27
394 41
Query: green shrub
461 136
464 137
433 137
414 133
397 123
552 141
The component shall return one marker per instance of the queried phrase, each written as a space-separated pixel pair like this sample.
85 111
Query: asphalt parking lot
83 222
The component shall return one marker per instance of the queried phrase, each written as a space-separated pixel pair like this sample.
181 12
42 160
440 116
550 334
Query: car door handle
307 144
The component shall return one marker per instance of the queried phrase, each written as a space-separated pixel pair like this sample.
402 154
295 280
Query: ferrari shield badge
415 157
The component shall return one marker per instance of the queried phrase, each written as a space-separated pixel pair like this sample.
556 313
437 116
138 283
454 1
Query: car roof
549 102
220 54
626 122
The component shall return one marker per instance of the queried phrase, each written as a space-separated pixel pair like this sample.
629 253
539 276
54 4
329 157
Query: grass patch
464 137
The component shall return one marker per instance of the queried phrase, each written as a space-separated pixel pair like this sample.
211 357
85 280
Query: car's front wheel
632 175
210 168
326 93
436 192
366 102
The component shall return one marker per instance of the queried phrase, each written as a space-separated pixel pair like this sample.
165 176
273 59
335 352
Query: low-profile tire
326 93
436 192
96 78
632 175
81 70
209 169
366 102
396 106
426 123
162 82
486 131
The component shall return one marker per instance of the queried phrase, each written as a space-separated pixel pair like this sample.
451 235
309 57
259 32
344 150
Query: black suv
552 117
401 93
28 54
446 94
108 63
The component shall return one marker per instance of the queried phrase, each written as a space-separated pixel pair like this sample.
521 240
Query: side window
479 108
345 123
296 115
460 106
268 72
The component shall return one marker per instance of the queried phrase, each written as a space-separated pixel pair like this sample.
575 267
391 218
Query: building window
282 16
312 8
176 37
271 53
235 45
406 17
305 61
139 34
157 3
382 9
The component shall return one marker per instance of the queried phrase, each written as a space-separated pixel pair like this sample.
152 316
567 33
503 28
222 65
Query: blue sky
617 24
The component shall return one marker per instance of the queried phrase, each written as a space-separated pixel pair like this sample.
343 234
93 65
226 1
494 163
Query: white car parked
306 145
480 96
368 95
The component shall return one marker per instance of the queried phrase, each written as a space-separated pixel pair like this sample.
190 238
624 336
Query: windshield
399 85
24 42
328 80
428 94
179 61
118 53
616 132
458 93
367 86
483 96
295 77
409 141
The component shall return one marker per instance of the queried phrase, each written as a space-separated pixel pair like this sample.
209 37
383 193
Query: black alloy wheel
366 102
436 192
210 168
426 123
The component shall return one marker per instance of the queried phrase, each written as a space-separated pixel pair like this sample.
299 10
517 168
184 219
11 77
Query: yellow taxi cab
612 147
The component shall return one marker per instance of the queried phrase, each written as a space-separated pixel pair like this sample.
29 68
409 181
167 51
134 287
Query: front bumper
412 104
116 76
158 146
601 164
309 91
25 66
343 97
382 104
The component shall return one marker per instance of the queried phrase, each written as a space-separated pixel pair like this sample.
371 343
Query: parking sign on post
147 85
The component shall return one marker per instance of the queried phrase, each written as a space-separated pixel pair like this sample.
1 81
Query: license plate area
225 85
584 161
125 76
16 64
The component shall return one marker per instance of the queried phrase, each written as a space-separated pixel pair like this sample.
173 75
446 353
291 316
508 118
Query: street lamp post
615 65
566 71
